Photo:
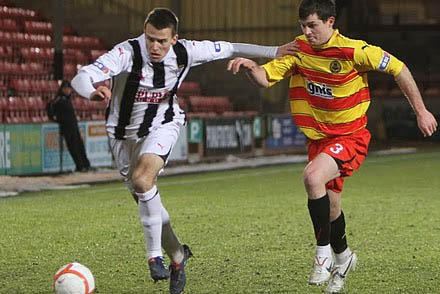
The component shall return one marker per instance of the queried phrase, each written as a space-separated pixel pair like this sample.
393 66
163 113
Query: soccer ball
74 278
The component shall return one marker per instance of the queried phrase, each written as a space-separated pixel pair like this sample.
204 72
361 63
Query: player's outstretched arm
255 73
425 120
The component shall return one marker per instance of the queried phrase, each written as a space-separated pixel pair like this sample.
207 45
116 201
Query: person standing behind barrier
61 110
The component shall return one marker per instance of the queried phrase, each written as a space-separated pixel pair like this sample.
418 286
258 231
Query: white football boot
339 273
321 270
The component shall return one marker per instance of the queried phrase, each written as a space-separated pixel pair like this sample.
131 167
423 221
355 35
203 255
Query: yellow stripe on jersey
329 116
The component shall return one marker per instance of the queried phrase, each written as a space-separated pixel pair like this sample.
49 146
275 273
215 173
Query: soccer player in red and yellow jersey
329 98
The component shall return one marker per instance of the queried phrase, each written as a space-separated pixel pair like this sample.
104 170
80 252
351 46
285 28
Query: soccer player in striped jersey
144 118
329 98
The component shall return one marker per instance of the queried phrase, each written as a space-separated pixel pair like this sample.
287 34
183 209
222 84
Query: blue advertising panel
283 133
97 147
50 142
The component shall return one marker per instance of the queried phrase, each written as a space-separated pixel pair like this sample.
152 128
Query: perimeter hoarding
96 142
283 133
5 151
52 155
228 136
22 149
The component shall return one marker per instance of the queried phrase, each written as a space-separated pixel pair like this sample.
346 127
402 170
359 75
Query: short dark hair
324 9
162 18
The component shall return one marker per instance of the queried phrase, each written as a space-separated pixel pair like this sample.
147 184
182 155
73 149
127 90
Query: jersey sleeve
278 69
109 64
368 57
205 51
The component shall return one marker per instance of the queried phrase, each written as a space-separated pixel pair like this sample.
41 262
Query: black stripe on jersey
150 114
130 90
182 63
158 75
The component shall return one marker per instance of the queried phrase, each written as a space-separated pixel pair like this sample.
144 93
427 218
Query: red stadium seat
22 87
38 27
8 24
70 70
94 54
17 13
6 53
3 108
5 38
189 89
14 110
82 108
40 55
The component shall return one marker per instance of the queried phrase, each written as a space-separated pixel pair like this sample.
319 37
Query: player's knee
311 178
141 184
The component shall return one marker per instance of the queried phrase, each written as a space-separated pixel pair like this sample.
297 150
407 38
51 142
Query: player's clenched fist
100 94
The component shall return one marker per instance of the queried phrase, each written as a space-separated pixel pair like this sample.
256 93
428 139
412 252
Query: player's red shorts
348 151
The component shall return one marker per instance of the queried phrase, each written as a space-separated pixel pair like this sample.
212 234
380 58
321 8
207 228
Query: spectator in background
60 109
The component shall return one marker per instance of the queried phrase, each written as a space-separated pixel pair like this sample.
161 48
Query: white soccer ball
74 278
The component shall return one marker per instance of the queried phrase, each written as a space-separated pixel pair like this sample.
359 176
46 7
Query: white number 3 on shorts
337 149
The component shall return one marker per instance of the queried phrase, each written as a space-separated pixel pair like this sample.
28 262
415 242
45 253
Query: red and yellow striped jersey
328 92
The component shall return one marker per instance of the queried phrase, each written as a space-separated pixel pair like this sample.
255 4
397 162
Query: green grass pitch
249 230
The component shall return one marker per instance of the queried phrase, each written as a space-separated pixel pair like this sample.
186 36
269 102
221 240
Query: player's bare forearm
409 88
256 73
425 120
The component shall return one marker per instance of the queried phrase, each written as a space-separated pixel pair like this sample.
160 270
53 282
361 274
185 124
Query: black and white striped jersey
143 92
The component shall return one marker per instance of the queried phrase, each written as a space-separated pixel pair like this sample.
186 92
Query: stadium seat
69 70
94 53
3 108
82 108
22 87
5 38
97 109
38 27
8 24
37 54
14 110
72 55
395 92
189 89
17 13
433 91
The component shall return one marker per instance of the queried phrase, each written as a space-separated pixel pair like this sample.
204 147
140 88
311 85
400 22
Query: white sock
324 251
342 257
150 213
